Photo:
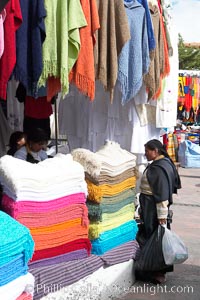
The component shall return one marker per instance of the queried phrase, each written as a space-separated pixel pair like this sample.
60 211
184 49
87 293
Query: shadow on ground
182 284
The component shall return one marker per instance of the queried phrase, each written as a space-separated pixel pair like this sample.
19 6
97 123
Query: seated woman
16 141
33 151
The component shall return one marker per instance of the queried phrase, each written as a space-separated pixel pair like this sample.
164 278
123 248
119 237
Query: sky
186 19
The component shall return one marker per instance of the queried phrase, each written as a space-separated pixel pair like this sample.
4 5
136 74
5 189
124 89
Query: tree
189 55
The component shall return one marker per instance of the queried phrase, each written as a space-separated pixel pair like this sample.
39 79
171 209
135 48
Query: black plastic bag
151 255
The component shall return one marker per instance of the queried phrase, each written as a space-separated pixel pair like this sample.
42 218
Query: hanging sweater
150 31
112 36
83 74
62 43
29 39
7 62
152 79
134 57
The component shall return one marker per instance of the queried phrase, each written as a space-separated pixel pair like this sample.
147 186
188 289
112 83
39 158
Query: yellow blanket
95 193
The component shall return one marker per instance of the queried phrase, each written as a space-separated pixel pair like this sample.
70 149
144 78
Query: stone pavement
184 282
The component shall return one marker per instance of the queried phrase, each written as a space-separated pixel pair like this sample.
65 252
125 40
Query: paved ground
184 282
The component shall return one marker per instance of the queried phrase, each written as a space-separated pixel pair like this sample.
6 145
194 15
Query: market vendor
34 149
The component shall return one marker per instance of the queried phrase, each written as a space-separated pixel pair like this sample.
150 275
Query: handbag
174 250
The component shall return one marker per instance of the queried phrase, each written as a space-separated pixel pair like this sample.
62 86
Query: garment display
29 40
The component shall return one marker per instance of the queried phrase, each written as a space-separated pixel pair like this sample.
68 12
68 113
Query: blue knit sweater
134 58
29 39
150 32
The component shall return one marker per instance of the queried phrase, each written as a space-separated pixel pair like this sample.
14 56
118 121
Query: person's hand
162 221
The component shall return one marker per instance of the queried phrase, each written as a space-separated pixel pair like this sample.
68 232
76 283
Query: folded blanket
110 158
15 239
55 217
15 208
77 244
115 237
16 287
59 237
95 210
50 175
111 221
96 192
74 255
12 270
54 191
61 275
122 253
105 178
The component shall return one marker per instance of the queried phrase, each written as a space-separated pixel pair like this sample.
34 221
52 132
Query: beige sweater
110 38
152 79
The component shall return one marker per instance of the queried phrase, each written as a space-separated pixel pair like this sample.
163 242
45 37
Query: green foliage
189 57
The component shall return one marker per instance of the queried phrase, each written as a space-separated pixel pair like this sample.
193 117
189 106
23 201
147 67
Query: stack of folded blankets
111 179
50 199
16 249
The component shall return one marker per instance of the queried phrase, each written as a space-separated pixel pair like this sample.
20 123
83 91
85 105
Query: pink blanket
14 208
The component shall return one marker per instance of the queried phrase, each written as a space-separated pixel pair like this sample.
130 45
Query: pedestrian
159 182
16 141
33 151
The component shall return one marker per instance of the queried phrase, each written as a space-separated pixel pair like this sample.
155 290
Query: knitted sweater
83 74
150 32
29 39
112 36
134 57
152 79
61 47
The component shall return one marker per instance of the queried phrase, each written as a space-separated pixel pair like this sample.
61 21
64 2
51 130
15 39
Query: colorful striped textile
122 253
63 274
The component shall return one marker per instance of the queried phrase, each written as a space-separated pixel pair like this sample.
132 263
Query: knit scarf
83 74
111 38
62 44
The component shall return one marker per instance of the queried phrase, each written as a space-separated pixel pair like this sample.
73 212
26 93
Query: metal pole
56 123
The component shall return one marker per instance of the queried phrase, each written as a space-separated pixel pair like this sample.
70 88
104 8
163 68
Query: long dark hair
156 144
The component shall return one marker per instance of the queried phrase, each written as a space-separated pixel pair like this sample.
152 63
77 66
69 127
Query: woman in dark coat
159 182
